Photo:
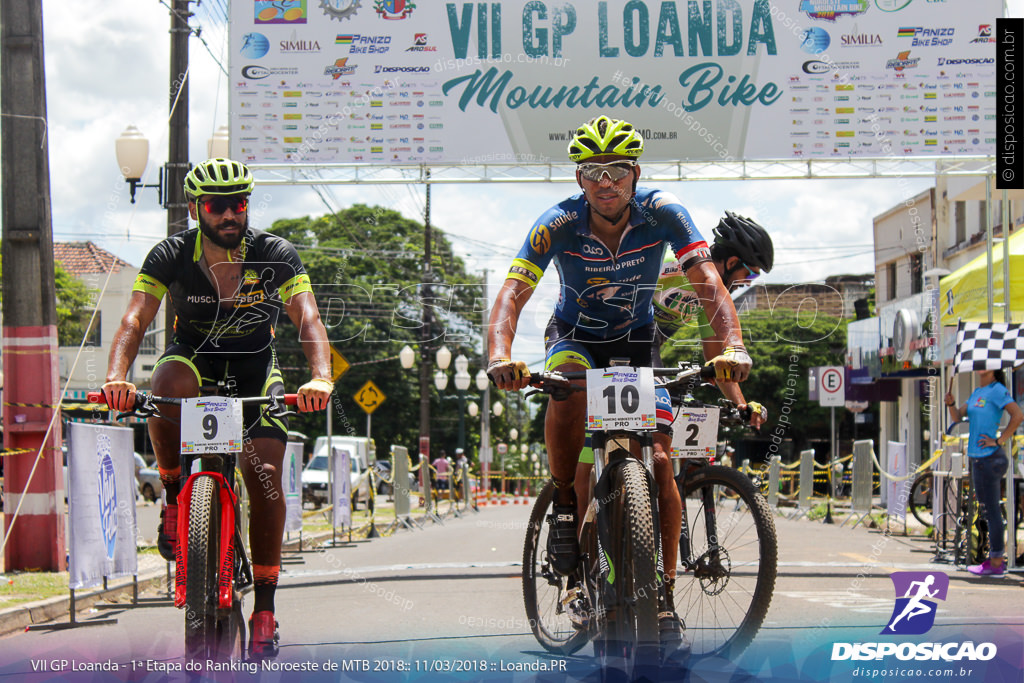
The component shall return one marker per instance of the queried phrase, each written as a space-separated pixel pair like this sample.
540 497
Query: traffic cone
515 498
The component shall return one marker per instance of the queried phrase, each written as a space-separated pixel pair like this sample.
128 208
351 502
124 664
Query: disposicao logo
914 614
915 608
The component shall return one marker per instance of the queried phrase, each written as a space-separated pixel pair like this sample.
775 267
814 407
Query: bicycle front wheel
210 632
632 560
544 590
725 582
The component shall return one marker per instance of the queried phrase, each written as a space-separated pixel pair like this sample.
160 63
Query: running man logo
914 613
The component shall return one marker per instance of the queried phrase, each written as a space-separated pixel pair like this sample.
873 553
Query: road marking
399 567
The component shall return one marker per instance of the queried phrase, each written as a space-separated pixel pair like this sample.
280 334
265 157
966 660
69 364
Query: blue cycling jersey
607 294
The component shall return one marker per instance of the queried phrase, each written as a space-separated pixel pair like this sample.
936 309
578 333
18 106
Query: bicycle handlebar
146 404
559 385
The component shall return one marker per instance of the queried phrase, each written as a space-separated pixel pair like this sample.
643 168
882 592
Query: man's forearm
313 337
123 350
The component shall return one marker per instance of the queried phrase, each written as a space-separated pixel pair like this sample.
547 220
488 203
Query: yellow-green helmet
218 176
618 137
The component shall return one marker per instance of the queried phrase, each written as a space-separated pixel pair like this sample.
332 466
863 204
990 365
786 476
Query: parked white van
315 475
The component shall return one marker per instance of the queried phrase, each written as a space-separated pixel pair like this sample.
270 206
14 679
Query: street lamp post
443 358
462 380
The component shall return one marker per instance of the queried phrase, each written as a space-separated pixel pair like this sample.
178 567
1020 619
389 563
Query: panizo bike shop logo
915 608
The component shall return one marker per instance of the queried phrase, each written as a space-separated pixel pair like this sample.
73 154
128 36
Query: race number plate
211 424
620 398
695 433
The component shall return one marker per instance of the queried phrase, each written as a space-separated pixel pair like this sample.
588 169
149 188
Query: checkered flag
988 346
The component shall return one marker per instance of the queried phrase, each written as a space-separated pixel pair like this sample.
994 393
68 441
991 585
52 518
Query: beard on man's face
224 241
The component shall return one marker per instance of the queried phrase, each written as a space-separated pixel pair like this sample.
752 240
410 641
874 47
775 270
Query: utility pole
485 421
177 139
425 362
34 520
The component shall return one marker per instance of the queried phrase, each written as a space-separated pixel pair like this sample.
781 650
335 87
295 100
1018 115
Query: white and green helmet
218 177
604 135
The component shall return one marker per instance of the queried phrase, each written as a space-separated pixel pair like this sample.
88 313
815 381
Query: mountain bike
727 561
212 570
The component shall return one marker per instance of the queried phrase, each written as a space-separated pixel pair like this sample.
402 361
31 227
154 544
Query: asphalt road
448 593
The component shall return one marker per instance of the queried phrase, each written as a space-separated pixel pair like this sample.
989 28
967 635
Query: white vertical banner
101 504
898 490
341 463
290 482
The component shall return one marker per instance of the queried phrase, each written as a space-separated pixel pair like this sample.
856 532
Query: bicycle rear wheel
210 632
724 586
544 589
920 499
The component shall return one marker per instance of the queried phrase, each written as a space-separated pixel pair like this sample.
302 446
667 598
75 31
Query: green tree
366 266
783 345
74 306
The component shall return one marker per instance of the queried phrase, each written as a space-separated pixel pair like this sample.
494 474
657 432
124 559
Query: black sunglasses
222 204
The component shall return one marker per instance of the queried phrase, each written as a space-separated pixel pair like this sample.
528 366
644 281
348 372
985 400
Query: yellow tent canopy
963 294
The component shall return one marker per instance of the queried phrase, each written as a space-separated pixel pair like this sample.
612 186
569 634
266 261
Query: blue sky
107 66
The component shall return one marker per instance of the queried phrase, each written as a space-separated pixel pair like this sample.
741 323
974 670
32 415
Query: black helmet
746 240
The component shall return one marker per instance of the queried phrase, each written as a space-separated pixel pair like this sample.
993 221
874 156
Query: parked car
315 482
150 485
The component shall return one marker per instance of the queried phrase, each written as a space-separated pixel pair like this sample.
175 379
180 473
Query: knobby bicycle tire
543 588
632 626
201 571
210 632
725 586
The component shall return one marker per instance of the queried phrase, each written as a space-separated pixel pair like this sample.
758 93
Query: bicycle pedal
575 606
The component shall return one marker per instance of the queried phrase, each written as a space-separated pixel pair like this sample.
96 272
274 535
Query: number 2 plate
620 398
211 424
695 433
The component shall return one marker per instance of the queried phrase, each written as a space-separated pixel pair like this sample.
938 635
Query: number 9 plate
620 398
211 424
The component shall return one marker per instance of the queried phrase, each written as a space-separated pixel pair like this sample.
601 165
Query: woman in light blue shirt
984 410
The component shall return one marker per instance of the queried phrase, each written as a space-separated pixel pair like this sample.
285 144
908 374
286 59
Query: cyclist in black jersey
227 282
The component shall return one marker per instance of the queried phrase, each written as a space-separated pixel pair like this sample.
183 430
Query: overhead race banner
101 504
361 81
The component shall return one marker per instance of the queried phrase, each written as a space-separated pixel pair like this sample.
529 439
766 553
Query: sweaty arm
721 312
501 330
302 309
142 309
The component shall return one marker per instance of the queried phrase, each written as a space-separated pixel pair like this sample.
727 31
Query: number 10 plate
620 398
211 424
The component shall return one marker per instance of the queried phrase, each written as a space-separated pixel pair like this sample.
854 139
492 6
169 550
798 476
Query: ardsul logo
914 611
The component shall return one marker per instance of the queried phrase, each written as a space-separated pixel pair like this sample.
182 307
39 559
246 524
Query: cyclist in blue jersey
227 282
607 245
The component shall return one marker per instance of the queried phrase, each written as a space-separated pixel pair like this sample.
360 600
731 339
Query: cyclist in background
607 244
226 281
741 252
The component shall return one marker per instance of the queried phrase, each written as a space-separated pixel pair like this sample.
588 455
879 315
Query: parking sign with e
831 386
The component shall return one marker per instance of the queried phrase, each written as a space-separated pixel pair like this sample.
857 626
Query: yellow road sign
338 364
369 397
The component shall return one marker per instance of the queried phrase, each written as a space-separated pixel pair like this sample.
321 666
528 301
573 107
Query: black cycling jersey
242 323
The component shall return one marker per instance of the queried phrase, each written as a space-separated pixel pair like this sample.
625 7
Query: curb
20 617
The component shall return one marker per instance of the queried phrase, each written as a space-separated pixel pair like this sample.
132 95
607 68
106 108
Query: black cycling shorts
243 375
